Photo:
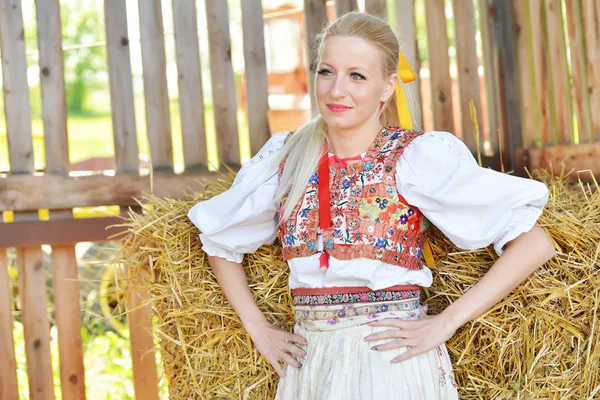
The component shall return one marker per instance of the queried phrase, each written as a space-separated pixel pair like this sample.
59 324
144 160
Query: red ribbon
324 196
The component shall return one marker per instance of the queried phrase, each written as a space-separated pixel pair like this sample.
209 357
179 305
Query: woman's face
350 86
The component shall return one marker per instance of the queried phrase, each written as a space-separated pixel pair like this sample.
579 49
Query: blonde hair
304 148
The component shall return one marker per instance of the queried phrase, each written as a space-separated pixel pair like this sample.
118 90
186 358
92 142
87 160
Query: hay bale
542 341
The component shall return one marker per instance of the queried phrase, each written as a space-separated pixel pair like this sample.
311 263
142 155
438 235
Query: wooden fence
535 87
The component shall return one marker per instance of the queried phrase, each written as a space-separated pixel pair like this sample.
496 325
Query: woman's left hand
419 335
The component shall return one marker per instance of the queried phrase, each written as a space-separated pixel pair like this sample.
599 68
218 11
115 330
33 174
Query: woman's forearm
234 283
522 256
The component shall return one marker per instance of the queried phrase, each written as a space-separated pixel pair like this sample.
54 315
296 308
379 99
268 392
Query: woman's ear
390 87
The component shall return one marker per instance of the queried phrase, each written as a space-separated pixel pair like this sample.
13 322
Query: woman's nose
339 88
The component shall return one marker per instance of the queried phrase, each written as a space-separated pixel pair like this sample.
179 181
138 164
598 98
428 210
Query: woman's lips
337 107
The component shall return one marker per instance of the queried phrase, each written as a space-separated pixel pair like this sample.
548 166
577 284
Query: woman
355 269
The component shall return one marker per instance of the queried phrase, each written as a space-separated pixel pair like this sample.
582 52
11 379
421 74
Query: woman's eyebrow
351 68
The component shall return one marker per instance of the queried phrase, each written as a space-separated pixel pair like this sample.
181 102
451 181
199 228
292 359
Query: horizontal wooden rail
30 193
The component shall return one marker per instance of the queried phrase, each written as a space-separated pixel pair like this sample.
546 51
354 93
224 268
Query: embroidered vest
369 218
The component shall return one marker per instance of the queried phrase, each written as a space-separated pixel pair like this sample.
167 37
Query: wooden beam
315 19
31 193
344 6
59 232
121 87
9 389
256 74
16 90
579 157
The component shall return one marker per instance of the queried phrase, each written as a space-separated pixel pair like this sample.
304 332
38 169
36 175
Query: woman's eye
357 76
324 72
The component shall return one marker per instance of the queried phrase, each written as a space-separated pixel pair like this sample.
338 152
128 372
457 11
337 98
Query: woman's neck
354 141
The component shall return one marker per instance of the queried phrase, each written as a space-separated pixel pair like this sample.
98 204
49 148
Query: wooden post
344 6
377 8
223 84
256 74
121 87
467 66
191 99
591 22
504 35
156 96
315 18
490 73
8 371
406 28
439 66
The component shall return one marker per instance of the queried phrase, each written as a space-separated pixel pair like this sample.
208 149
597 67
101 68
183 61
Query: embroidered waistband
348 295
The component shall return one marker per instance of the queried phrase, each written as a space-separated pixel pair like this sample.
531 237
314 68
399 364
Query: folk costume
354 247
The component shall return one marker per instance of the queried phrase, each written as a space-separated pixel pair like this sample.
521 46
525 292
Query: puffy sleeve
473 206
242 219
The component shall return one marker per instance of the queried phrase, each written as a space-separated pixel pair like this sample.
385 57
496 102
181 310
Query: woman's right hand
276 344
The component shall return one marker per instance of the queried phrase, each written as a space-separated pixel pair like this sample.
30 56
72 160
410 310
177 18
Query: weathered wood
467 68
439 66
145 380
23 193
256 74
54 103
191 99
503 28
121 87
59 232
344 6
580 94
223 84
36 325
315 19
68 322
579 157
538 38
591 23
16 91
525 75
156 96
376 7
8 371
406 28
560 75
490 74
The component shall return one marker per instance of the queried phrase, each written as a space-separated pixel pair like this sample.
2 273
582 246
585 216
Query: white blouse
473 206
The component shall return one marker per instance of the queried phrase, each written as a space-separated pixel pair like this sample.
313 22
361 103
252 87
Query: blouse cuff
212 249
524 218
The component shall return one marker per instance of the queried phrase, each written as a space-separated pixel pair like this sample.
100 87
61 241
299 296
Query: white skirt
341 365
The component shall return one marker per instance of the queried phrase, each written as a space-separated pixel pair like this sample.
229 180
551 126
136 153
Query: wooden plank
36 325
490 74
8 373
121 87
538 38
467 68
525 76
68 322
580 157
560 73
376 7
145 379
592 48
315 19
16 91
439 66
191 99
59 232
406 28
344 6
223 84
256 74
504 34
156 96
54 104
580 94
23 193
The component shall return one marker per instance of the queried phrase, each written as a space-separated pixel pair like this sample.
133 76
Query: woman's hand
276 344
419 335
